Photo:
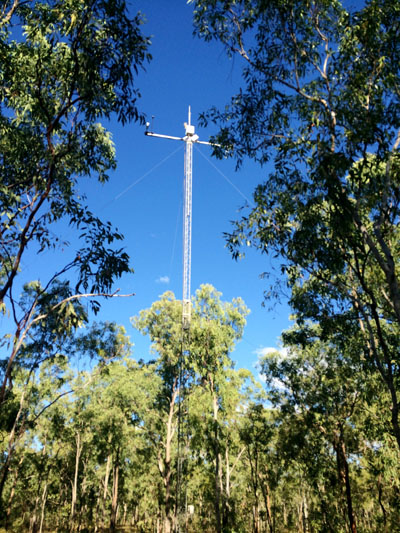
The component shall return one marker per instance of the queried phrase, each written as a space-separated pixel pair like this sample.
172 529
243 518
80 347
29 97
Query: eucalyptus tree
40 408
320 103
121 404
20 460
65 66
216 478
218 327
257 433
326 407
202 357
162 322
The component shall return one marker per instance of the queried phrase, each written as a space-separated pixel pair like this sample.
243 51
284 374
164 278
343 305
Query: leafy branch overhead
65 66
320 108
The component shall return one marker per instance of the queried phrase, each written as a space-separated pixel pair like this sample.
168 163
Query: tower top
189 128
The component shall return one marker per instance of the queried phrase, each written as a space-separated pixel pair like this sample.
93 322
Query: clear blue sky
144 196
185 71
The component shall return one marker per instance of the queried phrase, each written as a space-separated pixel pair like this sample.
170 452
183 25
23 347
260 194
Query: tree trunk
33 518
344 476
218 466
325 509
75 483
164 463
82 514
114 501
125 514
12 441
384 514
373 343
305 513
227 508
254 477
256 518
105 490
265 492
43 505
33 526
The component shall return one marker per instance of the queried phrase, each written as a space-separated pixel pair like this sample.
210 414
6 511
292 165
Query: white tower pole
190 138
187 223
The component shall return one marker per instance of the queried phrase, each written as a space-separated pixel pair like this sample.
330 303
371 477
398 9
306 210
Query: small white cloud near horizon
262 352
265 350
163 279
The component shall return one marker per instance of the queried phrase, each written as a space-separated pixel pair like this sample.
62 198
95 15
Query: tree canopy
65 66
320 105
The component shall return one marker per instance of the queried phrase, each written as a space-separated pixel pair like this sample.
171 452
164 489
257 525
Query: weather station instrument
189 139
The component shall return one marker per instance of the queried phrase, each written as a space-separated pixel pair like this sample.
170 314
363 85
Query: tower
190 138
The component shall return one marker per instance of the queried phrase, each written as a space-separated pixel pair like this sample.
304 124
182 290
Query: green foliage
65 67
73 64
87 443
320 103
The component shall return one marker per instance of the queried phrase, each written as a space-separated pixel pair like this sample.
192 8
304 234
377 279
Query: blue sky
144 197
186 71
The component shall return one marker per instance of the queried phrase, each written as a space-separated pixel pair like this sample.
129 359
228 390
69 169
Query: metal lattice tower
187 222
190 138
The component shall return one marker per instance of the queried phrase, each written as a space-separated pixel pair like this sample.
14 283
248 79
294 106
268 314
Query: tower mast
187 222
190 138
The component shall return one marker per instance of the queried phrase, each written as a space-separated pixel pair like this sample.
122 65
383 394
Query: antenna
190 138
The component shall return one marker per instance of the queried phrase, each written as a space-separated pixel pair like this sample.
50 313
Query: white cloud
163 279
262 352
265 350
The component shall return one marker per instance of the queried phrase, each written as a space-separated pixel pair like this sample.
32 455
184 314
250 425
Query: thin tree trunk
265 492
344 476
44 500
256 518
218 465
324 508
75 483
372 344
98 512
83 508
349 499
381 503
105 491
12 441
33 518
227 508
254 477
164 464
125 514
114 501
33 527
305 513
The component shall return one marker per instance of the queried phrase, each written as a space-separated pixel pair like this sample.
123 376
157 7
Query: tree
219 325
321 100
256 433
203 356
71 462
327 434
64 67
162 322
